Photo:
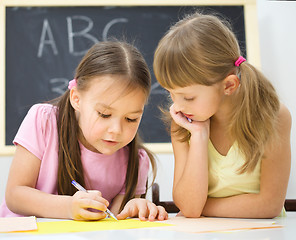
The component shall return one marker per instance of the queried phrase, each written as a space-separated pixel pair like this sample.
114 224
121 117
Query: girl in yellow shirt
230 133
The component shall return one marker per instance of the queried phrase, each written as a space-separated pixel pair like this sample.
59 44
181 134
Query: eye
132 120
104 115
189 99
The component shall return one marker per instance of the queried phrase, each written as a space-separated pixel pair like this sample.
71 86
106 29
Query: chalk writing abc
47 40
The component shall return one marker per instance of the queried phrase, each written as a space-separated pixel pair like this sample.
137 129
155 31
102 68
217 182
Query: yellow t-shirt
224 179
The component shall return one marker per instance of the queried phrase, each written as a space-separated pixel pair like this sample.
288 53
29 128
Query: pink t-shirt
106 173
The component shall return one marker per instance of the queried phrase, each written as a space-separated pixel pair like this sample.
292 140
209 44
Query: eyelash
188 99
109 115
132 120
104 115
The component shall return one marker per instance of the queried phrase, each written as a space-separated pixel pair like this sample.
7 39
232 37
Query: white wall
4 168
277 35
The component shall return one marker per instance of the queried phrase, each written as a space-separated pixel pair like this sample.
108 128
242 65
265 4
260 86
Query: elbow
189 213
10 200
274 211
189 210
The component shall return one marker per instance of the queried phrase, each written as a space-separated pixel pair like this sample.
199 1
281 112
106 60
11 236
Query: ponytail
254 115
69 157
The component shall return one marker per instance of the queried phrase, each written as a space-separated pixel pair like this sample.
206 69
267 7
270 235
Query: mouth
188 115
110 142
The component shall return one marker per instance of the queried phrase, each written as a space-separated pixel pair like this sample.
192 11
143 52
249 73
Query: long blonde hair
202 49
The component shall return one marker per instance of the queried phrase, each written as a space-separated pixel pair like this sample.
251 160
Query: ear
75 98
230 83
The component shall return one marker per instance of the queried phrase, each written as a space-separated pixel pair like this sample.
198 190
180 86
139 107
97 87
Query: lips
188 115
110 142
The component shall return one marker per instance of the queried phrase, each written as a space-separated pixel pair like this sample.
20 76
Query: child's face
108 117
198 102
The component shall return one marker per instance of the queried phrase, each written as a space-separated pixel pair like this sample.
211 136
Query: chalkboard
45 44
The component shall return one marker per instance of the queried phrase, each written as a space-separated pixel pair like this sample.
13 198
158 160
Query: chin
107 151
202 119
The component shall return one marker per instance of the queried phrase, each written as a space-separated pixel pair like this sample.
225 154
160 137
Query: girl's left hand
143 208
192 126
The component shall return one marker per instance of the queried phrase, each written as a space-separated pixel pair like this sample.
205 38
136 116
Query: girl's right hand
88 205
193 127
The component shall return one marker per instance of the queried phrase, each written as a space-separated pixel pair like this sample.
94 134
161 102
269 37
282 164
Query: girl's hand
88 205
193 126
143 208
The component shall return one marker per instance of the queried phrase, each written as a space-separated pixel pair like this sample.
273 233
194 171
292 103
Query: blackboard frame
251 35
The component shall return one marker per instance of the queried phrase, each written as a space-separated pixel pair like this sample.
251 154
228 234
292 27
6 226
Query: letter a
46 30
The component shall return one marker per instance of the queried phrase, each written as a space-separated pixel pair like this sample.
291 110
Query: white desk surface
288 232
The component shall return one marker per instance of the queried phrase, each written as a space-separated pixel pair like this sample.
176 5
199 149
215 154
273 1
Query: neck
221 117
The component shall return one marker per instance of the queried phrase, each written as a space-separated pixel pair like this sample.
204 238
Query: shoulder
143 154
280 142
42 109
42 116
37 129
284 120
143 158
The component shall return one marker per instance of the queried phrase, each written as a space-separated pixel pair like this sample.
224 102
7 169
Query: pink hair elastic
72 83
239 61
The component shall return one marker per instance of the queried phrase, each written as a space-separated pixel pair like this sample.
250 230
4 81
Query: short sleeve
32 132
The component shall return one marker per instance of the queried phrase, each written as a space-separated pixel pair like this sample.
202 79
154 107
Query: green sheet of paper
87 226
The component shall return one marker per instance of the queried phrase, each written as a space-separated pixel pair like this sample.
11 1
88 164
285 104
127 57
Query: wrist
70 207
199 136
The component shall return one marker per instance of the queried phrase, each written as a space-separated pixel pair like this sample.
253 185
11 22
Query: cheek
131 131
90 126
213 105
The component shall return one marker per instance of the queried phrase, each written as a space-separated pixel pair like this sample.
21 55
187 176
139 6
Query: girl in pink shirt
89 135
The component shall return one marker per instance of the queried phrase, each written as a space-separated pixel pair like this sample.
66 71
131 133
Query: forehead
111 91
185 90
194 89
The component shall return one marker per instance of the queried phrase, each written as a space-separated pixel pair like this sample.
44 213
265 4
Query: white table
288 232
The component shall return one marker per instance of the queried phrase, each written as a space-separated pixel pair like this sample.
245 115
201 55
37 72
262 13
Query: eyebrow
184 93
110 108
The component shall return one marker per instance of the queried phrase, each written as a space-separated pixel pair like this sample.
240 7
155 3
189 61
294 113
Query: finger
88 203
95 192
143 211
178 117
153 211
88 214
123 215
97 196
93 195
162 213
130 210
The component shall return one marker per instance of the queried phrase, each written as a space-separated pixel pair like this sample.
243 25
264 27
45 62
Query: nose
178 107
115 127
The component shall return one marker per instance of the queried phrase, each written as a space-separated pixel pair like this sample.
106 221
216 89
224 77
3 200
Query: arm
275 170
190 187
23 198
